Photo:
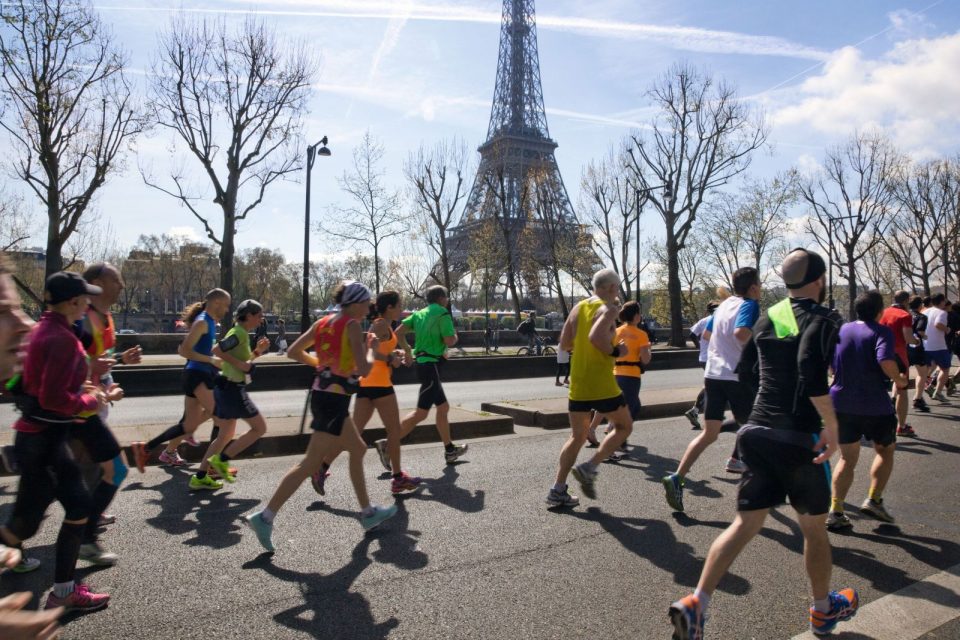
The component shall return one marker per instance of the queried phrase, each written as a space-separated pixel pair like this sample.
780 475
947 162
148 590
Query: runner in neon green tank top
589 331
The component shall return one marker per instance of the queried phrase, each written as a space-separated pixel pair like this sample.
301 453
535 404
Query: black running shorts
607 405
881 429
330 411
780 466
723 393
97 439
431 390
917 356
233 401
375 393
193 378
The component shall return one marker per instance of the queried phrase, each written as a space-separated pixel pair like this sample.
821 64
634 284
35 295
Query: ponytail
190 313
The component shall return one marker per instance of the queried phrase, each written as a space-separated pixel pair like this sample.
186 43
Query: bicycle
539 350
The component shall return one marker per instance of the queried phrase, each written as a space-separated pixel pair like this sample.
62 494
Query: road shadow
904 444
654 541
217 522
330 609
656 467
445 491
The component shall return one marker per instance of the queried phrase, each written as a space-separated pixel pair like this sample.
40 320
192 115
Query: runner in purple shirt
863 364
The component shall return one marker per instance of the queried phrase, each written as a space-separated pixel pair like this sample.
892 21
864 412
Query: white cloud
676 37
911 92
187 233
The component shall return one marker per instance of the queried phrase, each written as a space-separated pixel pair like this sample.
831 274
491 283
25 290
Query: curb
530 417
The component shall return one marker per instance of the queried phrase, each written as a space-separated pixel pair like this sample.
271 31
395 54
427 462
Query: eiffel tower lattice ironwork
517 171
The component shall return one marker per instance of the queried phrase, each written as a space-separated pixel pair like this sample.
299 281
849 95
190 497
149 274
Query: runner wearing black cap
786 444
50 396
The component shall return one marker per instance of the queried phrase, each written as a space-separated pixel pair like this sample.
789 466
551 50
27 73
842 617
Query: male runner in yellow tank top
589 332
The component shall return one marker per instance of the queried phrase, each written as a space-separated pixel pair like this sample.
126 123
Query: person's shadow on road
398 544
445 491
654 541
337 612
656 467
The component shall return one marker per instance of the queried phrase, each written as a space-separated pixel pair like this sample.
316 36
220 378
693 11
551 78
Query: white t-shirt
936 338
563 357
723 349
697 330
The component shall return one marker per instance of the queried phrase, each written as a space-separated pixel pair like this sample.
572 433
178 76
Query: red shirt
896 319
54 370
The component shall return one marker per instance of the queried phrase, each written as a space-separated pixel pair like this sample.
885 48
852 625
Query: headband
816 267
353 293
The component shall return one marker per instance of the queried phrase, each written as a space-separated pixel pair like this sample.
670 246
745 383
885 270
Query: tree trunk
563 301
674 292
54 255
851 286
376 269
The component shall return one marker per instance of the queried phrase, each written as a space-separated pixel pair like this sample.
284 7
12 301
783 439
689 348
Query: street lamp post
314 150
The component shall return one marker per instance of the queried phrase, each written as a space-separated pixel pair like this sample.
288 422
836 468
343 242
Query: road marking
908 613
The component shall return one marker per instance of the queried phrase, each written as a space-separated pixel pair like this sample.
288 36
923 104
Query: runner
702 343
341 357
916 355
51 393
231 398
433 333
199 380
97 334
864 362
728 330
938 353
376 393
897 318
792 419
588 334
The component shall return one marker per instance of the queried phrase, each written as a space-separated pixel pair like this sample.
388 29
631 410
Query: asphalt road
477 555
273 404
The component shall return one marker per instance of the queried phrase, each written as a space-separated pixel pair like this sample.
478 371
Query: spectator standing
281 337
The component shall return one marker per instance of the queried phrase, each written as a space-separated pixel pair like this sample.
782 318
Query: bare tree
236 101
437 184
608 198
374 214
15 222
701 138
852 201
70 111
749 228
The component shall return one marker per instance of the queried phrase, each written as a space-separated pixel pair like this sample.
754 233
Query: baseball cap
66 285
249 307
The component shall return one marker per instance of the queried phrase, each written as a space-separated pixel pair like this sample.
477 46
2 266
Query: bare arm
706 334
891 370
298 350
645 354
402 332
362 356
601 333
190 341
742 334
569 331
829 438
450 340
908 336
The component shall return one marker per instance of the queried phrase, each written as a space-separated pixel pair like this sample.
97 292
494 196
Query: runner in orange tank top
377 393
341 357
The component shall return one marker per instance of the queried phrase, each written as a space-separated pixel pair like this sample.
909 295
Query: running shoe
26 565
172 458
381 447
106 519
378 515
95 554
222 468
587 480
140 456
81 599
206 482
838 521
931 389
191 441
405 482
592 442
262 528
562 499
216 474
735 466
875 509
9 459
693 416
921 405
454 454
843 606
688 618
906 431
673 484
939 397
319 481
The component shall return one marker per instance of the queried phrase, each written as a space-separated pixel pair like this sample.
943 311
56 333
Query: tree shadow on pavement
337 612
654 541
445 491
217 525
656 467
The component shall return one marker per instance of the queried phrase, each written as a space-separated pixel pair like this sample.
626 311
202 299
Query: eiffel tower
518 152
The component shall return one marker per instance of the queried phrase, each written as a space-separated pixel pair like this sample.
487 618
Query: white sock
823 606
267 515
704 598
367 511
63 589
560 487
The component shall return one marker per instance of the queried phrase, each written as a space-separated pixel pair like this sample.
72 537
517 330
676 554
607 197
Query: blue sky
419 71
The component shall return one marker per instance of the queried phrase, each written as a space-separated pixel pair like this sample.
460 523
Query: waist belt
327 377
424 354
628 363
29 407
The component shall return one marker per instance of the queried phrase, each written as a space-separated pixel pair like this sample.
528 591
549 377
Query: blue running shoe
688 619
262 528
674 486
843 606
379 515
